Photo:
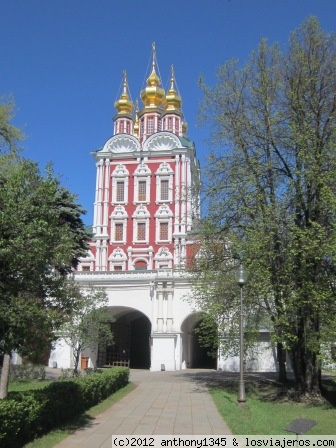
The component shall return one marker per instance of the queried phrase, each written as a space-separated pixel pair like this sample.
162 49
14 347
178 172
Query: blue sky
62 60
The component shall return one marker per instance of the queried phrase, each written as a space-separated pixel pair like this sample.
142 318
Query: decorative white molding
163 258
162 141
122 143
117 258
120 171
163 212
164 170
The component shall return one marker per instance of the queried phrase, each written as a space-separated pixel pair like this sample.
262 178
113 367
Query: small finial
154 54
125 81
172 79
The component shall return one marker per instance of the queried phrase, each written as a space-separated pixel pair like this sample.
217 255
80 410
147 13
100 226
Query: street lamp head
241 276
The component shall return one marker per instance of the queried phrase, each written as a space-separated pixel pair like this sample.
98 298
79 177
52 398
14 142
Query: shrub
27 372
26 415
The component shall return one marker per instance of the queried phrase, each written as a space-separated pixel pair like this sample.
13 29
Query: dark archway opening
203 356
140 343
131 347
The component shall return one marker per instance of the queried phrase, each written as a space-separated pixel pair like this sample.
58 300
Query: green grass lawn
267 411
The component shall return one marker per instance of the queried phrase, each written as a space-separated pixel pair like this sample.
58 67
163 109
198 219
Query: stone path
162 403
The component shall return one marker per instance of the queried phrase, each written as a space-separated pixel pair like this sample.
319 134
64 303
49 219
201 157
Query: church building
146 204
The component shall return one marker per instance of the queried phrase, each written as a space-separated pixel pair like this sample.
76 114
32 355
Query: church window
119 232
117 268
120 191
142 190
150 126
164 231
141 231
128 128
170 123
164 190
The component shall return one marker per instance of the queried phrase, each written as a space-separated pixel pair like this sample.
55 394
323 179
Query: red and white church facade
146 203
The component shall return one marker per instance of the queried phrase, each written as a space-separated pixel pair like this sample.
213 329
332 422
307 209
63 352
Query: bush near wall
26 415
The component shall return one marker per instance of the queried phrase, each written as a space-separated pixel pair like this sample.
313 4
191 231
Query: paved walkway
162 403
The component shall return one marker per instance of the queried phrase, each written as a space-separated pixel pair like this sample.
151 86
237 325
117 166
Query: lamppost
241 277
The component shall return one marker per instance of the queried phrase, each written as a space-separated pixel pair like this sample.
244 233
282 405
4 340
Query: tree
9 134
271 187
88 323
41 238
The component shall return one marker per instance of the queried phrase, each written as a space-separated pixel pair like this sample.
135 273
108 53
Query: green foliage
25 415
88 322
9 134
27 372
270 186
42 237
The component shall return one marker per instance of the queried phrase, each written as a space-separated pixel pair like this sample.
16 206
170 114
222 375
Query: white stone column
177 194
160 311
106 196
183 195
189 196
170 318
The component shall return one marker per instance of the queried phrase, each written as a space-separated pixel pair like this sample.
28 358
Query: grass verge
56 436
268 411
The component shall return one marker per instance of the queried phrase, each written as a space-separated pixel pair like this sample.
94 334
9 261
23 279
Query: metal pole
241 394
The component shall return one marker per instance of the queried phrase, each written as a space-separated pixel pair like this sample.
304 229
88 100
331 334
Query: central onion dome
124 105
153 95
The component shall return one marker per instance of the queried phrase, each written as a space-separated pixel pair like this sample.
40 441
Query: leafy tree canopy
270 185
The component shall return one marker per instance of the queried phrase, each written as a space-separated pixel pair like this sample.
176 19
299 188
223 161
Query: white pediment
122 143
120 171
141 212
142 170
162 141
163 212
163 254
118 255
119 212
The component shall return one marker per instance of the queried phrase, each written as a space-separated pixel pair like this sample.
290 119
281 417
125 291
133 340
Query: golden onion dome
124 105
174 101
153 95
184 127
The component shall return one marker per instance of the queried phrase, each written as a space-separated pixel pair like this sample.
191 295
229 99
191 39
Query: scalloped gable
118 255
163 254
122 143
162 141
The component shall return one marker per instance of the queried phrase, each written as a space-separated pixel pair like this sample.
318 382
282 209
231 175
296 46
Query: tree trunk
307 371
76 361
4 376
282 363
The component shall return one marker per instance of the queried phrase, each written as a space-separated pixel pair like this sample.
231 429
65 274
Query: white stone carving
122 143
162 141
